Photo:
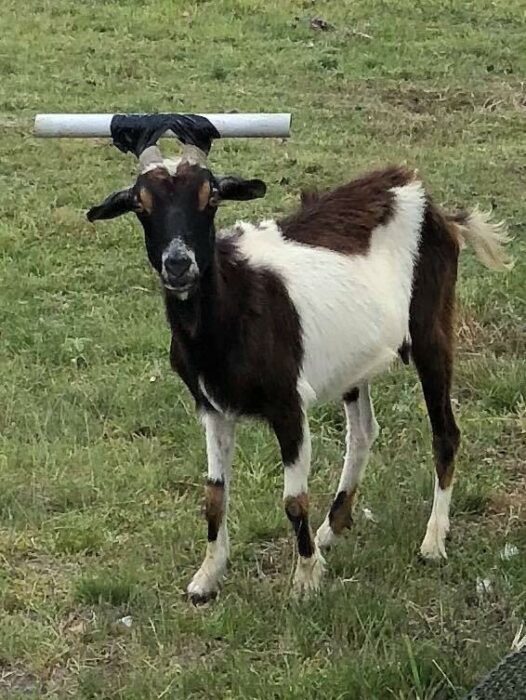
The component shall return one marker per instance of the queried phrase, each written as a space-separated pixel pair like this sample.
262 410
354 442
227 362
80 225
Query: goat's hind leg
362 430
433 359
434 368
431 331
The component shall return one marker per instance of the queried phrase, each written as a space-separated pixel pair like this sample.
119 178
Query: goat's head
176 202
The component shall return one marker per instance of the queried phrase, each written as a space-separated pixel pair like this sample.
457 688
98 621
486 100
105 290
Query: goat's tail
485 237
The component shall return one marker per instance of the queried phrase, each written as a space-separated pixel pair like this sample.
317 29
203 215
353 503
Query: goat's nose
176 267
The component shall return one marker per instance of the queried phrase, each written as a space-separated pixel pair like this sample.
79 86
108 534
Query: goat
266 319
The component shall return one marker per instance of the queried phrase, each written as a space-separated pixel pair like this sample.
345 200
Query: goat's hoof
201 598
432 552
201 589
433 547
308 576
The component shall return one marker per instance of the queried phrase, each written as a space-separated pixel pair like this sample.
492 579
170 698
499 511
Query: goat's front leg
293 436
219 448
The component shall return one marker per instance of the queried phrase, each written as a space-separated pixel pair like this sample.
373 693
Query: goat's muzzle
179 274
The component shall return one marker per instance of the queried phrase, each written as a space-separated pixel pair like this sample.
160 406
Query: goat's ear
232 187
116 204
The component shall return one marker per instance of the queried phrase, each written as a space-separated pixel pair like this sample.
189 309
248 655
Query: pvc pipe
98 125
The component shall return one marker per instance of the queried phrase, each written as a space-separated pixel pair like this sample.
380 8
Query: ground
101 456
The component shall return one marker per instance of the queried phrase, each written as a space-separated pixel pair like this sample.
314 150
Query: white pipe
98 125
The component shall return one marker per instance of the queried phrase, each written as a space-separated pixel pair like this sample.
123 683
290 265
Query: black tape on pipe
135 132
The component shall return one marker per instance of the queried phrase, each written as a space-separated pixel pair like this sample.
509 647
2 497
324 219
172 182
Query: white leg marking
297 474
362 431
220 449
206 581
325 537
434 544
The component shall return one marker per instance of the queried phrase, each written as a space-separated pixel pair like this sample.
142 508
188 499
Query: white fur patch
354 309
220 442
178 248
297 474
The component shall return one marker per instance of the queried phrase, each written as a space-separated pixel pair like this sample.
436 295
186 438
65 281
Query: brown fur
214 507
344 218
309 197
431 329
157 174
297 506
297 510
204 196
146 200
340 515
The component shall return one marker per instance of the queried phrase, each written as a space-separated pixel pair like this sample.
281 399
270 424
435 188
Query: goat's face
176 202
177 213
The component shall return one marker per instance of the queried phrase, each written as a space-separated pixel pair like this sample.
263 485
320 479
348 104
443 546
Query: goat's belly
333 384
346 342
329 381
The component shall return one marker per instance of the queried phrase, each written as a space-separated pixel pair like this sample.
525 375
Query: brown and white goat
266 319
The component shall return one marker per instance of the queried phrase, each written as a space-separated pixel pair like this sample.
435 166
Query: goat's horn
193 155
151 156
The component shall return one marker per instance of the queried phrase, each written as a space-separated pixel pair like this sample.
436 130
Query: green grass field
101 457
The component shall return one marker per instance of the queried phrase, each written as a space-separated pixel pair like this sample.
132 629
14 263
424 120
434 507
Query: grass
101 457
